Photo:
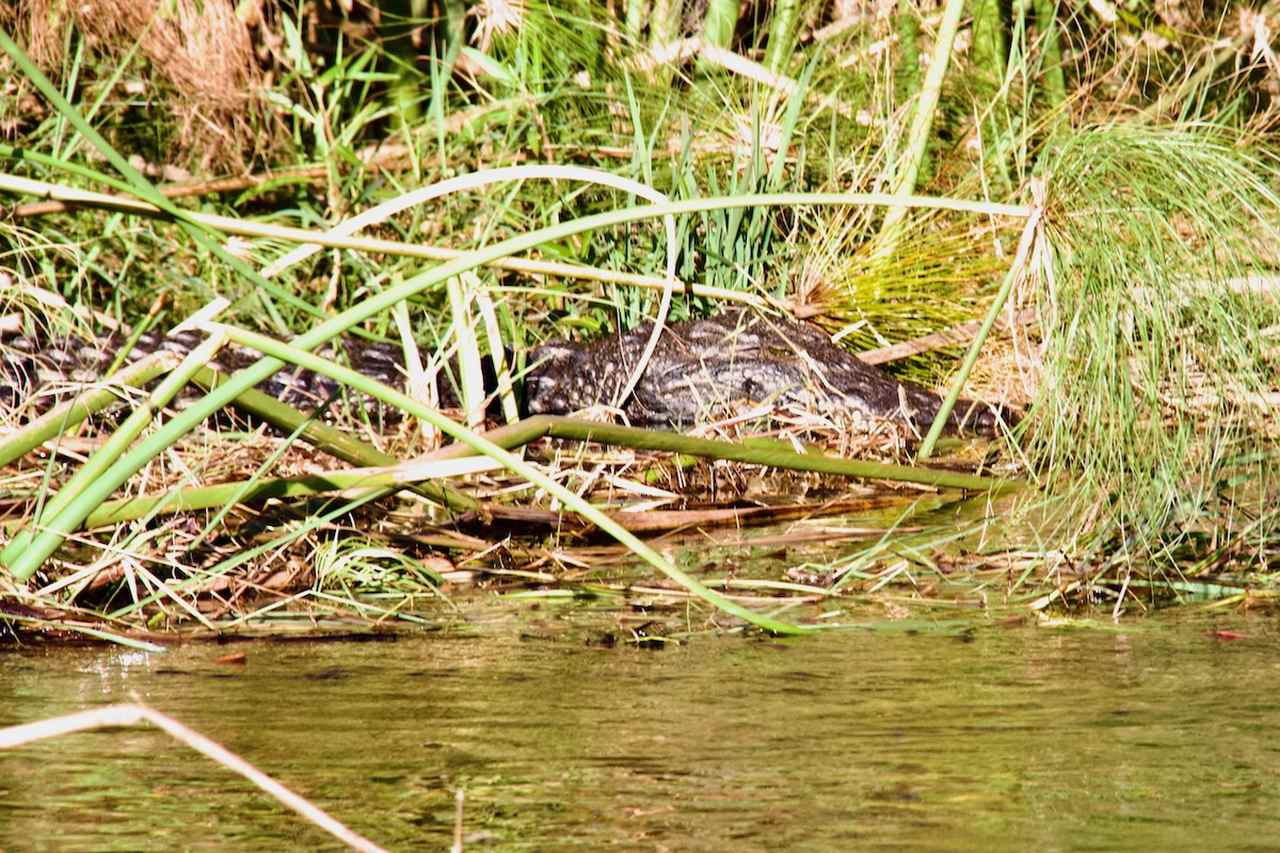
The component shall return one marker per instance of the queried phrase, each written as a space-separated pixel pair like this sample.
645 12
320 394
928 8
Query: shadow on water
1155 735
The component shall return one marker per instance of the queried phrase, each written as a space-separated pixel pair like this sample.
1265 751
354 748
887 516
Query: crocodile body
734 362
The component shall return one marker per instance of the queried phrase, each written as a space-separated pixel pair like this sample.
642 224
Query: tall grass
1157 416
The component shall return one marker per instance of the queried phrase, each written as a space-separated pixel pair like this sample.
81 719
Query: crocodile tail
992 419
968 417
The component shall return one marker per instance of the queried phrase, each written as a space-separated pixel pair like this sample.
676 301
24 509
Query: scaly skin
703 366
700 369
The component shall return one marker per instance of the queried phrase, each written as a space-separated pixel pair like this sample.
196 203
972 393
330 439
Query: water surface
1152 735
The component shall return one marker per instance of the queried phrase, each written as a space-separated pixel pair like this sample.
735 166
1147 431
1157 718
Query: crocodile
737 358
736 361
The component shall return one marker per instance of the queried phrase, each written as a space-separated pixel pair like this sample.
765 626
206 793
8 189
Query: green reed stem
247 491
644 439
517 435
328 439
1015 272
61 418
922 122
55 514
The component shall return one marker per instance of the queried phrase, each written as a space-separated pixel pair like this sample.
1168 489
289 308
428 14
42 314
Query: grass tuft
1157 417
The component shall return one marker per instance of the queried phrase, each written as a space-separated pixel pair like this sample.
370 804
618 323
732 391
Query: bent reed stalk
343 236
452 461
103 459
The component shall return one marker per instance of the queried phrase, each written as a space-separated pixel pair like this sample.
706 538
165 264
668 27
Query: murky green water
1157 736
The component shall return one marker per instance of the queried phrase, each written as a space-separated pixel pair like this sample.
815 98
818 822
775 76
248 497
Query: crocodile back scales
700 368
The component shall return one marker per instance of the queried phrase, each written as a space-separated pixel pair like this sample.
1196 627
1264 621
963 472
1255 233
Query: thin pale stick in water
132 714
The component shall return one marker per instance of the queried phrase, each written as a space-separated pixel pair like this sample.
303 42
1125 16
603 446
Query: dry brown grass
1008 371
201 49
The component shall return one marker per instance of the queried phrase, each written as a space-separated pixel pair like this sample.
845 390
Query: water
1154 735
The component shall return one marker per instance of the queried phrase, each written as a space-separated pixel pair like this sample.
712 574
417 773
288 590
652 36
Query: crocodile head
557 380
